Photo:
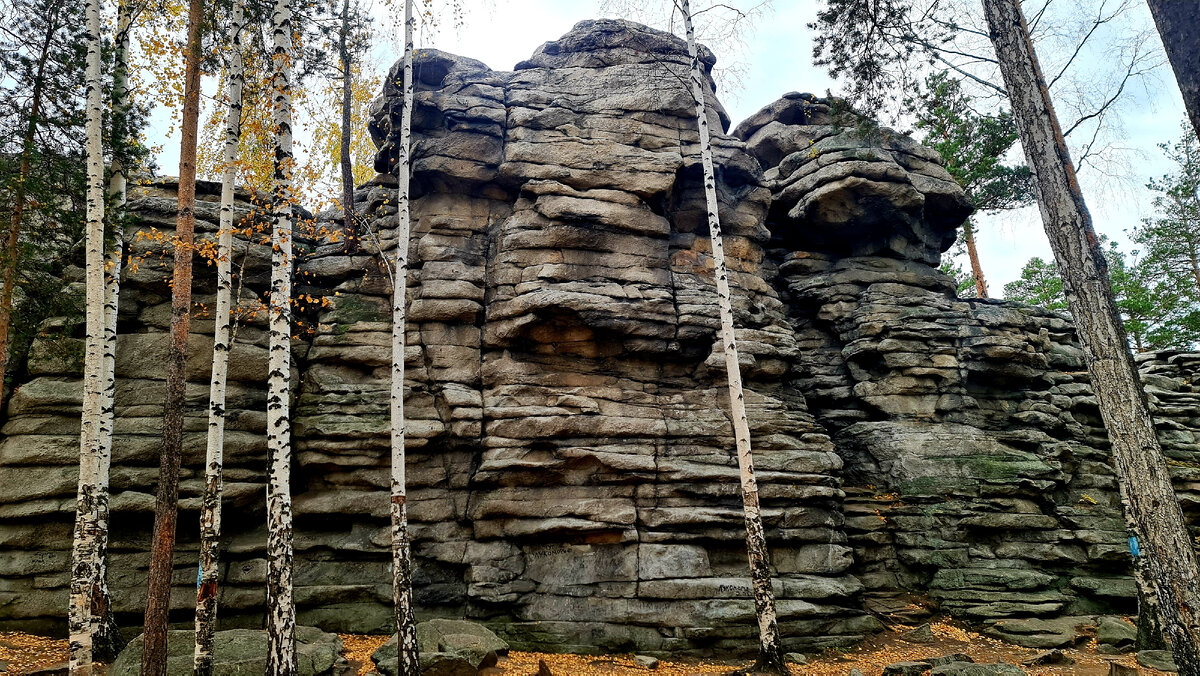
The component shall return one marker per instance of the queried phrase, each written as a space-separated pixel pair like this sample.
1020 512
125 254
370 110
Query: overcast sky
776 57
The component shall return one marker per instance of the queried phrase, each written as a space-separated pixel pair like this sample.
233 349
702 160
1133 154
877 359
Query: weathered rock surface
1117 633
969 669
906 669
446 648
571 469
1157 659
240 651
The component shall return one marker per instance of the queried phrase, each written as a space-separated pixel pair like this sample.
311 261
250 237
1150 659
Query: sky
774 57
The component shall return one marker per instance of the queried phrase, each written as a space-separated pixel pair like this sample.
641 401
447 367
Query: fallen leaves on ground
358 649
887 648
526 664
26 652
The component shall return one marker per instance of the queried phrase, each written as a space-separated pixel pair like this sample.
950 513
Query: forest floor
25 654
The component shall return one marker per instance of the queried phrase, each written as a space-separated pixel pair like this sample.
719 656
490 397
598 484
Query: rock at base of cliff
1157 659
240 651
1116 632
447 648
969 669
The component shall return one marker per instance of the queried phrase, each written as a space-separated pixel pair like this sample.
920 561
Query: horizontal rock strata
571 465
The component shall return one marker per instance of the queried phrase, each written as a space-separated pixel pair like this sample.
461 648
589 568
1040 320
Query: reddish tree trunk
166 503
973 254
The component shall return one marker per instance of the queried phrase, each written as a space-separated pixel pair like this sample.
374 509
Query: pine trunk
166 501
349 225
12 244
1142 475
84 564
973 254
407 659
1179 28
210 503
281 611
770 653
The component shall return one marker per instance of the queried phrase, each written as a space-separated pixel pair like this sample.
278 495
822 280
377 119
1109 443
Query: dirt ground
25 653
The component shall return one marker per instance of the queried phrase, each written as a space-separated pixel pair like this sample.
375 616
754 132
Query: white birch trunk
210 504
770 655
84 564
281 611
1169 556
407 657
106 637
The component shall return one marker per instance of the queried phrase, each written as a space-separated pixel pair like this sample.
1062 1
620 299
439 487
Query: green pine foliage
972 145
1158 313
1038 285
42 49
1170 240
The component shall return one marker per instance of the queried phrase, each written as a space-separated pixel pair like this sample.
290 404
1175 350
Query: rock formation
572 472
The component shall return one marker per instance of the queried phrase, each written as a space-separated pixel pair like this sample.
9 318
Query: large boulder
240 652
1116 632
446 648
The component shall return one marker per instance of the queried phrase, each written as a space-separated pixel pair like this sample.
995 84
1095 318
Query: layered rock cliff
572 471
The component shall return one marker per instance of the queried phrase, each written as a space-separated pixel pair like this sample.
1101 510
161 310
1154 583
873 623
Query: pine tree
1159 310
1142 473
770 653
1039 284
42 174
166 507
210 505
41 56
1171 239
973 147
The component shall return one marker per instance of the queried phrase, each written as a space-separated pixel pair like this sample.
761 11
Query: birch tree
210 505
166 502
770 653
406 633
1142 474
84 564
106 636
281 612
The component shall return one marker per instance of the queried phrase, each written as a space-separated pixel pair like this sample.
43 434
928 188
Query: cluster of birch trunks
90 616
1144 480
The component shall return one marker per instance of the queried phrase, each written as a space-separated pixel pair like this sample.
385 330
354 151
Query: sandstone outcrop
573 483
